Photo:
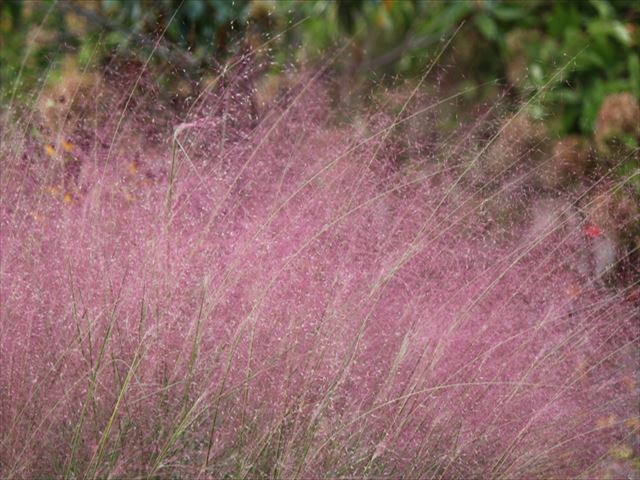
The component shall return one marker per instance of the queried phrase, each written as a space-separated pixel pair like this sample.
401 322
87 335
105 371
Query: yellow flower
629 383
633 423
607 421
68 198
67 146
50 150
132 168
621 452
53 190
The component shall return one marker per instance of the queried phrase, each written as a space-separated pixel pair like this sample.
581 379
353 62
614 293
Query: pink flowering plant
302 290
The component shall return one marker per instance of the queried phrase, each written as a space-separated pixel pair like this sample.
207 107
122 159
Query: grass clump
221 291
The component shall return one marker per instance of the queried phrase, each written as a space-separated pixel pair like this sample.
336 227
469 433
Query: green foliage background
522 44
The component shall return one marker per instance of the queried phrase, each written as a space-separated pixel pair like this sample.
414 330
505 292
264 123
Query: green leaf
603 7
631 169
194 9
536 75
619 31
634 74
487 26
115 38
568 95
509 13
589 60
563 16
536 111
592 100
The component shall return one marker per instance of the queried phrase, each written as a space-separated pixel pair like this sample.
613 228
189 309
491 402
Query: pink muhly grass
278 295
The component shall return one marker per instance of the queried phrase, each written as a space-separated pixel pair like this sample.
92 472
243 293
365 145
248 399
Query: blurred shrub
579 53
186 34
576 62
524 43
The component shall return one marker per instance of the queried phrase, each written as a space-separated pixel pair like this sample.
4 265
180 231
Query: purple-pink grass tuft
293 295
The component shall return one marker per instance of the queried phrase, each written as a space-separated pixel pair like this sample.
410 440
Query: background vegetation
521 44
